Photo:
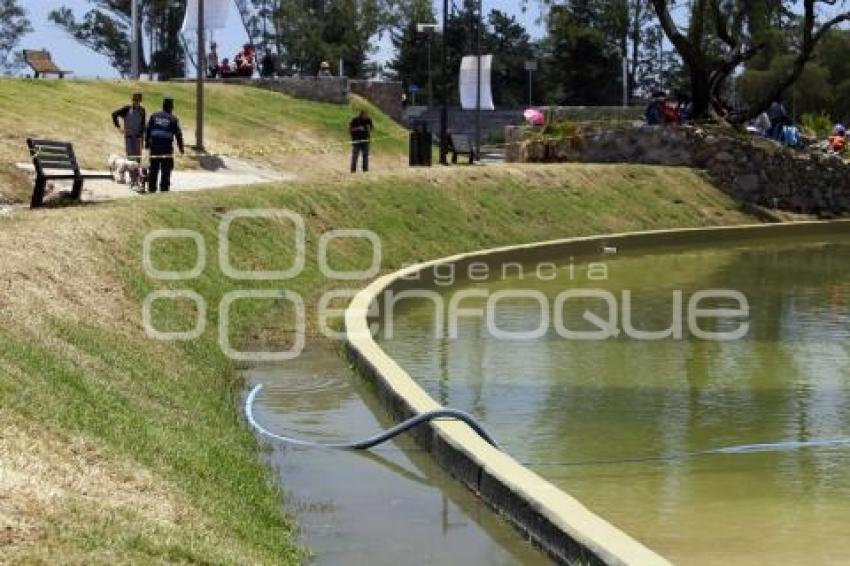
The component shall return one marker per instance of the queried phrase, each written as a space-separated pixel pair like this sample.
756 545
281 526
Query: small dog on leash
122 168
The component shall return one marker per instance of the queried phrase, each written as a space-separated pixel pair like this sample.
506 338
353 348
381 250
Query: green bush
819 125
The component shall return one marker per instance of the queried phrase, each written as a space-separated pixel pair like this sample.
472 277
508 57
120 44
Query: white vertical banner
215 15
469 83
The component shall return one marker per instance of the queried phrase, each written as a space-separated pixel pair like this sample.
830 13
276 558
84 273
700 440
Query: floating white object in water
609 250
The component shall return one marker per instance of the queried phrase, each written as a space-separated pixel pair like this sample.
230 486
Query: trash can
420 145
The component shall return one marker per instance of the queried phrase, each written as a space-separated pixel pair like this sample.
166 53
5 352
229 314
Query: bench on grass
56 160
461 144
42 63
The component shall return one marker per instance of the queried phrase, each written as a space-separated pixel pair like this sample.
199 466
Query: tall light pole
531 66
134 40
199 83
625 78
444 113
430 29
478 24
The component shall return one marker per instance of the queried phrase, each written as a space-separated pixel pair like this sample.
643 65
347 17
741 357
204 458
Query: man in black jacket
163 129
134 118
361 133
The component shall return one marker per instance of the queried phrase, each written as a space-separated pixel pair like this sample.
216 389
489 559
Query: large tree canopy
722 35
13 26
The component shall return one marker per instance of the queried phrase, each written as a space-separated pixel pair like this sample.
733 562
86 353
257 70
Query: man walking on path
162 130
133 116
361 133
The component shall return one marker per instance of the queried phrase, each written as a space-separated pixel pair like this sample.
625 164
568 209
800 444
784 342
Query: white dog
122 168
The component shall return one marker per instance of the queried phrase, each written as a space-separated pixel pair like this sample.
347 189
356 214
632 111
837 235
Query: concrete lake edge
566 530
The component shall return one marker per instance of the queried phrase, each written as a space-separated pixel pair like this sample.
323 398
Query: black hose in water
375 440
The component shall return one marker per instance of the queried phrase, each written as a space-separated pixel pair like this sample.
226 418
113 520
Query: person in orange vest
838 139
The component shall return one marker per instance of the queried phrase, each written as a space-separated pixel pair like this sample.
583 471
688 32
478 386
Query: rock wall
333 90
756 171
386 95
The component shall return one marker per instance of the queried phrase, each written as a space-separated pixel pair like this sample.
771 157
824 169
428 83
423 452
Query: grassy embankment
115 447
267 128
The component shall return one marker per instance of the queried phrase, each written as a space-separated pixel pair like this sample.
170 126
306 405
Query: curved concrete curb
558 523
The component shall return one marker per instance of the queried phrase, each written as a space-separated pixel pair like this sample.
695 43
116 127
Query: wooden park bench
42 63
56 160
461 144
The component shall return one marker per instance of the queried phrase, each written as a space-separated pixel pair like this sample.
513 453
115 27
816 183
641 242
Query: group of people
243 65
777 124
157 134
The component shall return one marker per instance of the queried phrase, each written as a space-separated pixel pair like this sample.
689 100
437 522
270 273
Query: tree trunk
700 90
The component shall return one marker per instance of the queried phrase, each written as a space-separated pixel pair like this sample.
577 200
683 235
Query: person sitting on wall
779 118
670 111
653 113
246 61
268 65
324 71
838 139
225 69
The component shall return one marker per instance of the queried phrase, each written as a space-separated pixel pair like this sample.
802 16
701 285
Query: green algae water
631 427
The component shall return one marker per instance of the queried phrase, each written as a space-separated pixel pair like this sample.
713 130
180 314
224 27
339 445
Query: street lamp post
430 29
530 66
199 84
134 40
444 113
625 78
478 24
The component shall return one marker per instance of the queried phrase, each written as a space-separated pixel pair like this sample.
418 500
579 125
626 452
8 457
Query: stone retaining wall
756 171
333 90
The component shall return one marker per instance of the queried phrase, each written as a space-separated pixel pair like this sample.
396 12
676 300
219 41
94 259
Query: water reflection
551 400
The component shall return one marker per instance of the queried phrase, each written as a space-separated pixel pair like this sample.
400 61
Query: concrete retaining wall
552 519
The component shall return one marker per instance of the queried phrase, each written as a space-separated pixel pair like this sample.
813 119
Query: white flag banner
469 83
215 15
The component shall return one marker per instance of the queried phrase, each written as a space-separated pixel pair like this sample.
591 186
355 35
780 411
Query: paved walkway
233 173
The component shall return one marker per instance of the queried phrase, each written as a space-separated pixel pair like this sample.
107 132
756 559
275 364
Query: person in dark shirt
361 133
134 118
163 129
268 66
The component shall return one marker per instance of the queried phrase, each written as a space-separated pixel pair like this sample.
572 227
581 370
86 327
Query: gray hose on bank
373 441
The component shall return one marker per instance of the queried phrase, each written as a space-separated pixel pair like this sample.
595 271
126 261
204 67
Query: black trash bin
420 145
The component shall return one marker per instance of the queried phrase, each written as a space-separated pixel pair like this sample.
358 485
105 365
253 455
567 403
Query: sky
88 64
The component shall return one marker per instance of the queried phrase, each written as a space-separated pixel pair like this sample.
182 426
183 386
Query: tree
823 86
581 66
13 26
106 29
410 63
722 35
629 28
511 46
311 31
